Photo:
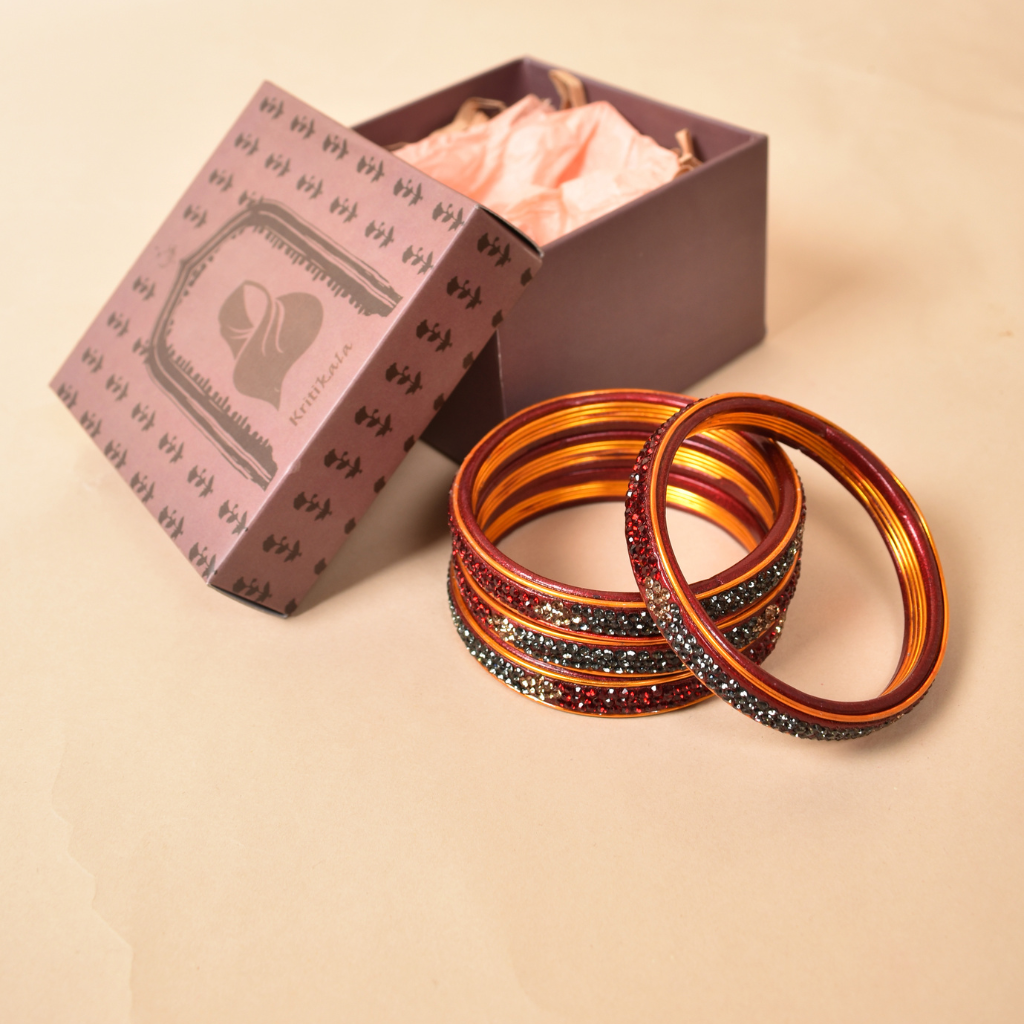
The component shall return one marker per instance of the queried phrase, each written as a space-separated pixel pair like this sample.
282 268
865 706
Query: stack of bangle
601 653
701 644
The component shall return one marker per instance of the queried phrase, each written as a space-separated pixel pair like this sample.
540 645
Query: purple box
655 294
283 340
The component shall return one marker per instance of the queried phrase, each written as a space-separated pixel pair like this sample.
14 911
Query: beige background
208 814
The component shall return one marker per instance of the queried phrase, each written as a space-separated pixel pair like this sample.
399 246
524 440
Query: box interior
512 81
711 264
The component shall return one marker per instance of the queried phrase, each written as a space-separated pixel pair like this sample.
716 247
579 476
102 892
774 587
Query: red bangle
700 644
559 643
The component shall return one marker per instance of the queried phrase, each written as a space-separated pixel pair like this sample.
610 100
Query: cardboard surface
276 350
214 815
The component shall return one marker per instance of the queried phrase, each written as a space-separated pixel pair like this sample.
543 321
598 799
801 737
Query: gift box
656 294
276 350
309 307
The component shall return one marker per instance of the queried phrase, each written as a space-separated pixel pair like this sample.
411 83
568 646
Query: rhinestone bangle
581 448
684 619
590 693
562 688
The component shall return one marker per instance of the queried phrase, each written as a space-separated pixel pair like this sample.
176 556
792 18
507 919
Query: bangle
559 643
683 619
485 635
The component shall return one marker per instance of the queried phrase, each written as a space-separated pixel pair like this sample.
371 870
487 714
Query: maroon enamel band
688 628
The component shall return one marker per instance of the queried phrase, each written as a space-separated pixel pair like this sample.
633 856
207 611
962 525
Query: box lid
309 291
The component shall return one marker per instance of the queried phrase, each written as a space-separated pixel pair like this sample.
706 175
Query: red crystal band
701 645
601 652
547 677
562 689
